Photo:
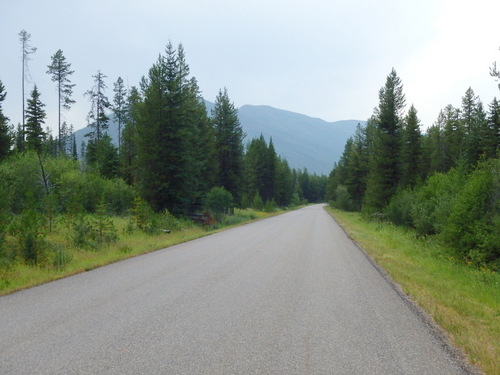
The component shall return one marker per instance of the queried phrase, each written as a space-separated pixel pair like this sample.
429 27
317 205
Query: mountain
305 142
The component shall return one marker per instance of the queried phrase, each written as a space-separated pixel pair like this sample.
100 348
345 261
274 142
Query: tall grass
463 300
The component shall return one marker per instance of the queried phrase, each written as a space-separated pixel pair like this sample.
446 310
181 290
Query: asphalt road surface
286 295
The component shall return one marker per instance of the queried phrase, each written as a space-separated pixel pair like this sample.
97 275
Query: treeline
170 151
444 183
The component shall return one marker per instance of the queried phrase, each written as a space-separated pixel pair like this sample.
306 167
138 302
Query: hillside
304 141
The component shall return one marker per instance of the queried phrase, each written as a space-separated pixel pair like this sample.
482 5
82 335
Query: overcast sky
322 58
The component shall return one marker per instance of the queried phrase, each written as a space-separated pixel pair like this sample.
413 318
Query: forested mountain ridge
305 142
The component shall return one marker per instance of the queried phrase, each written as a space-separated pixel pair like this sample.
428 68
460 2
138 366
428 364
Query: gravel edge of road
457 354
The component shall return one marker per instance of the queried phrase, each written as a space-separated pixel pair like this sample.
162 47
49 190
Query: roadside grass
463 300
18 275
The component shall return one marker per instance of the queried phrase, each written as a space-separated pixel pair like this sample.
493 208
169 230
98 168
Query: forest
173 161
443 184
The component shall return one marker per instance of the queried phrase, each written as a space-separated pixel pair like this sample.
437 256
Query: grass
463 300
17 275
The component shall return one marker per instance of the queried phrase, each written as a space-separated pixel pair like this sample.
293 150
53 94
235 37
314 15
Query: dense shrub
472 226
257 203
432 201
219 201
342 199
399 209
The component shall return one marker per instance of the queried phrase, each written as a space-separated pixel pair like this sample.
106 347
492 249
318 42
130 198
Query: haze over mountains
305 142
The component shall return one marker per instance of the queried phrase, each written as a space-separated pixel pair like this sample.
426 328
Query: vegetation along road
287 295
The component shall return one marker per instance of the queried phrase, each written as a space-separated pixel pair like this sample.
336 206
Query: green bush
342 199
257 203
471 221
399 209
432 202
270 206
28 229
118 196
219 201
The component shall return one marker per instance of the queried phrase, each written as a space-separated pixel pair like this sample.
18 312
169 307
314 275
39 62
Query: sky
322 58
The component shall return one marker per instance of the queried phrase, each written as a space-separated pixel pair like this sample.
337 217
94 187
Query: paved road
287 295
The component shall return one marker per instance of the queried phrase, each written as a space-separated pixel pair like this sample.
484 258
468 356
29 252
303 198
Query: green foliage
146 220
473 216
270 206
97 117
94 231
62 257
35 118
399 209
342 200
5 137
169 127
257 203
103 229
433 201
228 144
29 230
219 201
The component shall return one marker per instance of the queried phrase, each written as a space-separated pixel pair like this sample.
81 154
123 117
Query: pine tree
103 156
411 150
357 167
385 168
493 136
35 118
27 50
97 117
169 135
453 138
473 121
5 138
60 71
256 167
283 187
228 144
120 106
128 147
433 148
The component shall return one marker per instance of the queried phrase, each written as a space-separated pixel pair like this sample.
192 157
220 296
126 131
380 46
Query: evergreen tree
453 138
35 118
385 168
432 146
473 121
256 167
272 159
493 135
128 148
120 106
228 144
5 138
283 187
357 167
60 71
97 117
169 135
411 150
27 50
103 156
